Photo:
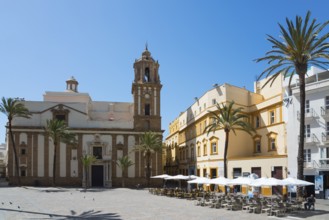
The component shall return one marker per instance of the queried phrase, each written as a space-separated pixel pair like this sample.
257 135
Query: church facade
107 130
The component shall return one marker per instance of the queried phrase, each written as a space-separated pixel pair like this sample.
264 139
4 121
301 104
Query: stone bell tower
146 90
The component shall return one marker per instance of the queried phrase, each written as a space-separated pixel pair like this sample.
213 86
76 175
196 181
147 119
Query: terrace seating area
270 206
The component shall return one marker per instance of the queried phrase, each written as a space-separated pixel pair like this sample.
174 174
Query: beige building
107 130
191 151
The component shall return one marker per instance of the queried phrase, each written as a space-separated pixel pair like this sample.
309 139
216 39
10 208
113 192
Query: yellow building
191 151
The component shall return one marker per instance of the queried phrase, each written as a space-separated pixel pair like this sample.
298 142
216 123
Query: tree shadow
91 214
308 213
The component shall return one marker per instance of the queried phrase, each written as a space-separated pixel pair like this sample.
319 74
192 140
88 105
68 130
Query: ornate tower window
147 109
147 77
60 113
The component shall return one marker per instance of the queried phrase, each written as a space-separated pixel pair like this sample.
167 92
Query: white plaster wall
315 93
62 160
74 163
131 155
87 138
41 153
120 139
51 158
118 169
108 140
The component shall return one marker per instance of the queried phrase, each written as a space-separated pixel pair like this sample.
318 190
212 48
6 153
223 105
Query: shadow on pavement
97 215
308 213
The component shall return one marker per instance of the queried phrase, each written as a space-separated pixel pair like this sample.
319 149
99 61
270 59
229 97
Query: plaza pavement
120 203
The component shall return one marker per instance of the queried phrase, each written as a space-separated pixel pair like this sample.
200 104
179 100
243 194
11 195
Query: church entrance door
97 175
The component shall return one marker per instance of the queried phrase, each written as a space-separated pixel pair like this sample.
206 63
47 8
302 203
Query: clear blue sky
198 43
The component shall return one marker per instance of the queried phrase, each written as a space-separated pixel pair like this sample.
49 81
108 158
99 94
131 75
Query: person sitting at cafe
310 202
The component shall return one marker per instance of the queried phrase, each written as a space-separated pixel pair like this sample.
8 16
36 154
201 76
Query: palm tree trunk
15 155
225 154
300 157
54 163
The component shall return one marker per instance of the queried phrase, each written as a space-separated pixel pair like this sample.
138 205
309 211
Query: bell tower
146 90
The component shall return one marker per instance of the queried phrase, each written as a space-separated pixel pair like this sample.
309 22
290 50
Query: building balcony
322 163
325 138
325 112
310 115
311 140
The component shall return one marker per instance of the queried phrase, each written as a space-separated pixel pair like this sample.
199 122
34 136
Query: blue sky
197 43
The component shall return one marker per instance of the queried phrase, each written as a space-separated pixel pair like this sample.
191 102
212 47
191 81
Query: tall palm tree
58 131
124 163
302 46
150 143
229 119
13 108
87 160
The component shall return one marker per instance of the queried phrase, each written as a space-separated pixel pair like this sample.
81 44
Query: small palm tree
124 163
302 46
228 119
13 108
87 160
58 131
150 143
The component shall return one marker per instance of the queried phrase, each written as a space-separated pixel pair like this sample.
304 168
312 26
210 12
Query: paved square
120 203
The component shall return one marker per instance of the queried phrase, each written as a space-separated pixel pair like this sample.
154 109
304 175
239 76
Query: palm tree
13 108
87 160
228 119
58 131
124 163
302 46
150 143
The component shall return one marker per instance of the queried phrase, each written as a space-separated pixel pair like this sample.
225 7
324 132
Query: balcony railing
322 163
309 114
325 138
312 139
324 112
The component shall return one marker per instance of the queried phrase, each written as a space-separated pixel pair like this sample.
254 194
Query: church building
108 130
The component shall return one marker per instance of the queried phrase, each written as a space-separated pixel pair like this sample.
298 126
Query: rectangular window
60 117
214 147
327 102
23 151
272 117
257 170
257 146
328 130
307 131
147 109
204 172
198 172
213 173
23 173
257 123
97 152
307 155
192 153
205 150
214 101
204 106
273 147
307 106
237 172
199 151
